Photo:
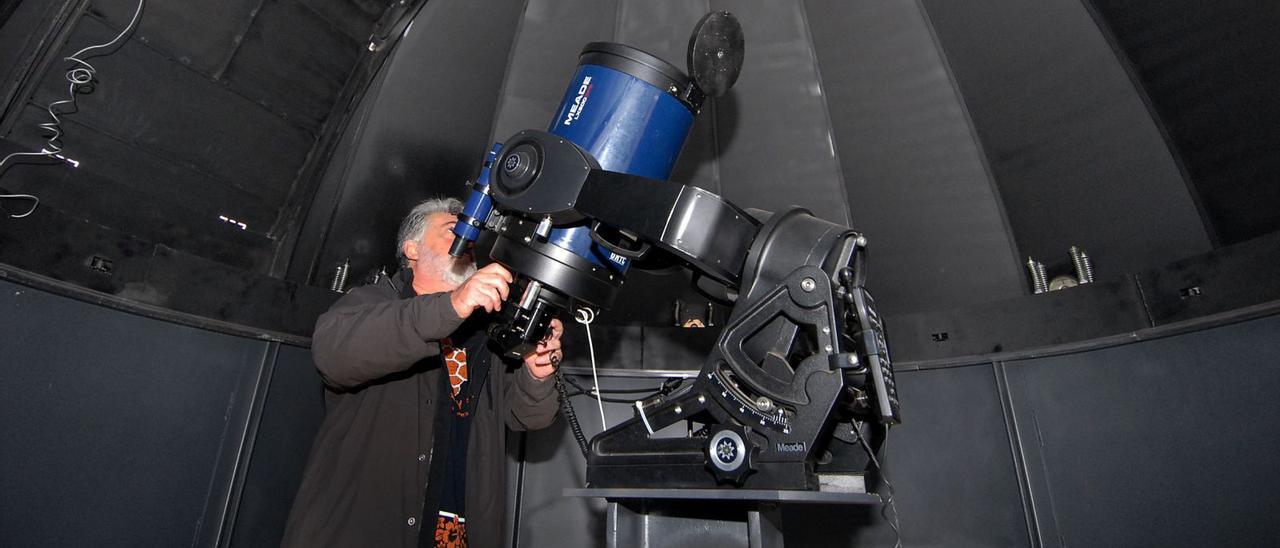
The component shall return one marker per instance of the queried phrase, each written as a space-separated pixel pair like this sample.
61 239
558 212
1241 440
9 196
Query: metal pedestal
704 518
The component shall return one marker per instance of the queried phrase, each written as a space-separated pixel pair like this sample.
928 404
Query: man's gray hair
416 221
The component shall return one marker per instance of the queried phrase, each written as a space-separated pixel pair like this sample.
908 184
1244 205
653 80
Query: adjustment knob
519 168
731 455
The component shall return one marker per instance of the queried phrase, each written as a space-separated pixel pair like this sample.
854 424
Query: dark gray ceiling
1211 74
961 137
208 110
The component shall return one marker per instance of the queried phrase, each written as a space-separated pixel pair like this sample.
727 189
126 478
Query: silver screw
1038 282
1084 270
679 410
808 284
339 283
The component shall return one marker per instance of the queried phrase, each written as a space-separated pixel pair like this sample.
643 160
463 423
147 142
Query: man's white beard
453 271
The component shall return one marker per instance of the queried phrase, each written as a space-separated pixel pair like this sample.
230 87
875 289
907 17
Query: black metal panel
291 417
951 466
1209 70
1075 153
423 132
1169 442
773 132
25 28
160 196
113 422
1075 314
167 110
619 346
77 206
199 35
353 17
543 56
915 175
293 62
662 28
1226 279
99 258
233 295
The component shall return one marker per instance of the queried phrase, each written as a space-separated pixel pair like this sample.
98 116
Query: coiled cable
567 408
81 73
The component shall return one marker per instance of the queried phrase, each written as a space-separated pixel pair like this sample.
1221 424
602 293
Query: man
412 448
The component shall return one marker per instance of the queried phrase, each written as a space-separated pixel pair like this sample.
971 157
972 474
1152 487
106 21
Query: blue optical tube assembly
623 111
626 109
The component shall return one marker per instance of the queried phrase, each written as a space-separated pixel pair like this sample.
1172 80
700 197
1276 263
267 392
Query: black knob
519 167
846 276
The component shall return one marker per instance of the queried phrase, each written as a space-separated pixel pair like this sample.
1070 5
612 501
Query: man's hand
486 289
544 359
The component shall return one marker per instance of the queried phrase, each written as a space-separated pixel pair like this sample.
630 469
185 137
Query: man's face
432 259
438 234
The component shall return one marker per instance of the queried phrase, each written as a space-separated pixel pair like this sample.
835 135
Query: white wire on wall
81 73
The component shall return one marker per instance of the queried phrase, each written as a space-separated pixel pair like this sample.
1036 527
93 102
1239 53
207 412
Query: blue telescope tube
621 109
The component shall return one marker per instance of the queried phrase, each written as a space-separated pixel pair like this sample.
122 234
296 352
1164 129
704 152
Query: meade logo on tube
579 102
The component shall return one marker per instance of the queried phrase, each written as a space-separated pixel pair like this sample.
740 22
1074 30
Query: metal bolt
412 521
827 348
826 330
764 404
808 284
679 410
1038 282
339 283
422 458
702 399
1084 270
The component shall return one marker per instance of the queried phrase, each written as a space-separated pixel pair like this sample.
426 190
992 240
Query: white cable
643 417
585 316
76 76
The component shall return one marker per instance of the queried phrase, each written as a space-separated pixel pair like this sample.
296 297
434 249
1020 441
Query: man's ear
411 250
